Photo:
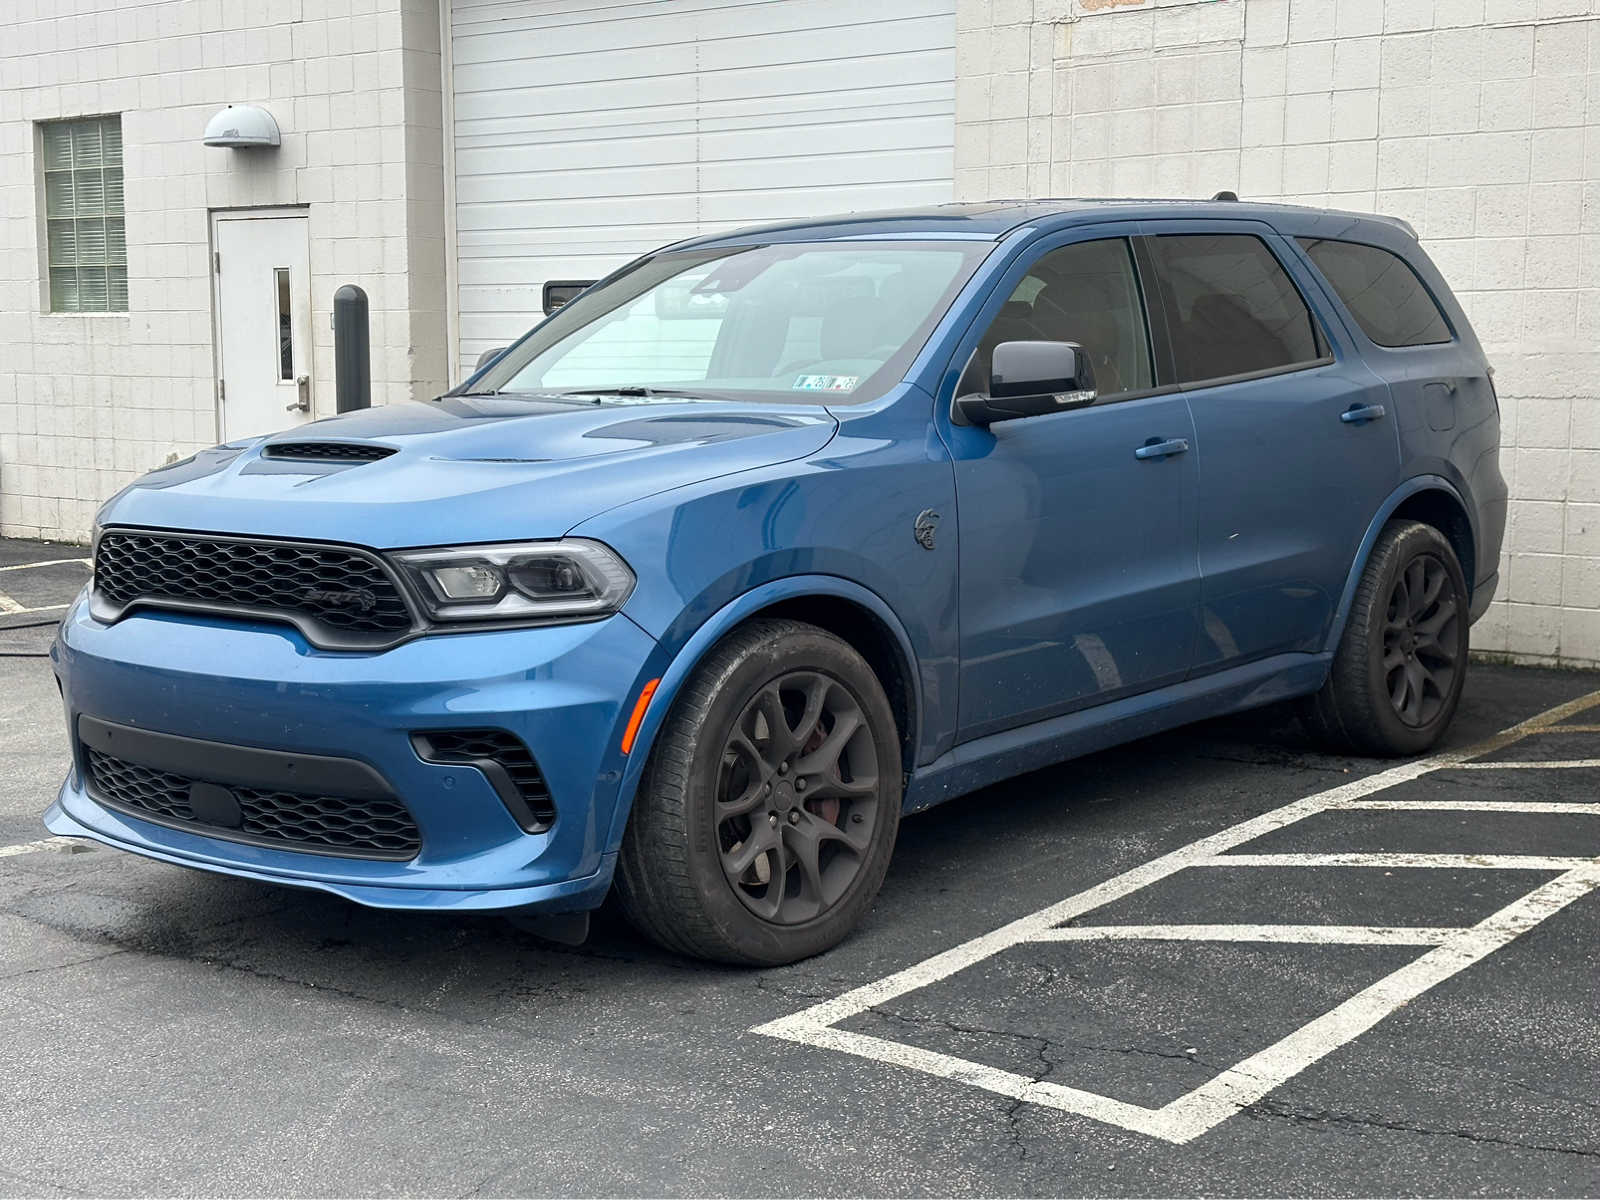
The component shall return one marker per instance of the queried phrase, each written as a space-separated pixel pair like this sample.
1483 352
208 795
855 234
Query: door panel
1078 578
263 322
1292 466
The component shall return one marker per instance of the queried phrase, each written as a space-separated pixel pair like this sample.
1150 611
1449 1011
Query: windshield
827 322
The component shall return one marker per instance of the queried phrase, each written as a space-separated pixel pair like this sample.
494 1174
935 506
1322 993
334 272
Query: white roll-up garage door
586 133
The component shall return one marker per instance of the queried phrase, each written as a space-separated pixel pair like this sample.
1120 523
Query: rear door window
1230 307
1381 291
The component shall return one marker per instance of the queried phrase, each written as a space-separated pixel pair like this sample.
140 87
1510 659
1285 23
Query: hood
465 469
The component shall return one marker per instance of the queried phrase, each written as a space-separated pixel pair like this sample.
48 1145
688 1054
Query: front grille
343 592
501 752
327 451
362 828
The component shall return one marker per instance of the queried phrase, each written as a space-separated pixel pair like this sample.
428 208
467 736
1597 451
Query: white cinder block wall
1476 120
89 401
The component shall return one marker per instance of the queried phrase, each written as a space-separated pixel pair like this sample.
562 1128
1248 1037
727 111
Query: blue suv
772 537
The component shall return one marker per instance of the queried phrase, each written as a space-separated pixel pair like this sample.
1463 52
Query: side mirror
1029 379
488 356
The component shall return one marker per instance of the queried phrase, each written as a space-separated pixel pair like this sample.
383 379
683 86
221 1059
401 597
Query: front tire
768 811
1397 676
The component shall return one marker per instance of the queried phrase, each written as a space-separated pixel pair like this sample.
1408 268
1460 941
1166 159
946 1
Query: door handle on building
303 404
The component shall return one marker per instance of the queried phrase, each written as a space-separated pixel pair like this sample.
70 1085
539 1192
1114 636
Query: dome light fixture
242 127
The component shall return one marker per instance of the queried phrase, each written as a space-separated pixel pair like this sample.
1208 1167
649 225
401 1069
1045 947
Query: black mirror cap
1029 379
487 357
563 291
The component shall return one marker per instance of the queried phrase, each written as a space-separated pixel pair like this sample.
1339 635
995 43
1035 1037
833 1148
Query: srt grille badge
354 599
927 524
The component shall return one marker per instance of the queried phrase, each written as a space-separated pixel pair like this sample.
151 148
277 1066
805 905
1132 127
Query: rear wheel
1397 677
768 812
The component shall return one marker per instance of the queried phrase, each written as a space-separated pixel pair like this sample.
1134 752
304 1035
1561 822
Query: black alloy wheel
768 810
797 798
1421 652
1397 675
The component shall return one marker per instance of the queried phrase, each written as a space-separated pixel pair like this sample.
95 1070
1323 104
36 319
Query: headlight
565 580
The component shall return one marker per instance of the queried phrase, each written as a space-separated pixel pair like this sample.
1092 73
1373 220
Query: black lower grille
360 828
343 594
507 763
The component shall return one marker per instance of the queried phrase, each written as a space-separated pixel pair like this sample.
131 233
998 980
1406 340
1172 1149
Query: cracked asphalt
164 1031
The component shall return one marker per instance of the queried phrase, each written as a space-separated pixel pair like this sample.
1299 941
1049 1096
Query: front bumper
562 690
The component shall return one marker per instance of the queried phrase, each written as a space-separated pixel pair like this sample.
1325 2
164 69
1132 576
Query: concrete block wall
88 401
1476 120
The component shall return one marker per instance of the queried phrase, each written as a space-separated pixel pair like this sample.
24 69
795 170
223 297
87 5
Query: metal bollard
352 349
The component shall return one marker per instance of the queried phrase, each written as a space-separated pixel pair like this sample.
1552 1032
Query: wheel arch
851 612
1430 499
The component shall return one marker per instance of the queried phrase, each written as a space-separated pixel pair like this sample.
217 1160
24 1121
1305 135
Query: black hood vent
347 452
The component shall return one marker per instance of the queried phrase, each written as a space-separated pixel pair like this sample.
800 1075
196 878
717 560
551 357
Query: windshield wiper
641 391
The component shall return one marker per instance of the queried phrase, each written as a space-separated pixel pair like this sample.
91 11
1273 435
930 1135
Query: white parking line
1570 764
1244 1084
1505 806
1328 935
49 843
54 562
1461 862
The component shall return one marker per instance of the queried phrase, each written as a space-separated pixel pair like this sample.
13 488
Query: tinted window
1085 293
1381 291
1231 309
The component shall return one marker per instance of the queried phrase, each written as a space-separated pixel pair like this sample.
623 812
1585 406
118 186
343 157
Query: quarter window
85 246
1231 309
1086 293
1381 291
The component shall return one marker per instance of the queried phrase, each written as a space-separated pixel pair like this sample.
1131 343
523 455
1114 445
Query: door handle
1157 448
1360 414
303 403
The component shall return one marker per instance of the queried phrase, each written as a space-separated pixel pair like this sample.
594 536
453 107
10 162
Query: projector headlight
569 580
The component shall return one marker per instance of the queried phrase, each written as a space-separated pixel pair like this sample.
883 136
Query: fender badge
927 524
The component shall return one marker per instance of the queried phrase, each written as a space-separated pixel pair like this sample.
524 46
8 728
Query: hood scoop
330 452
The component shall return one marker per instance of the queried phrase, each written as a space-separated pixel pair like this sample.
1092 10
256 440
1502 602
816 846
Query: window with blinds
86 248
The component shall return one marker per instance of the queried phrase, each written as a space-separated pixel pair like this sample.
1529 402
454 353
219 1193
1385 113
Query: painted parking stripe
1499 806
1571 764
54 562
50 843
1460 862
1200 1110
1325 935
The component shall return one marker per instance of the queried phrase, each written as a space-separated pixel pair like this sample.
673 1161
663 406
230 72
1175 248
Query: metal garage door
587 132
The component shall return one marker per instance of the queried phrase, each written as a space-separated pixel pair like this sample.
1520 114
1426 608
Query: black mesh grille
471 747
341 590
366 828
328 451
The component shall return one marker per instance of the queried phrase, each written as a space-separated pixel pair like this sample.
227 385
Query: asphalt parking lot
1216 961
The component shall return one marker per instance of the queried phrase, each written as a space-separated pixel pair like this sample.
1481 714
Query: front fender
711 631
1407 489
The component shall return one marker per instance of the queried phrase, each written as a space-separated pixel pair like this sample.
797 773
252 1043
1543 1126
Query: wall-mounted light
242 127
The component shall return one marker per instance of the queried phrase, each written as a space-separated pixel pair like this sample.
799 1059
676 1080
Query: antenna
1226 196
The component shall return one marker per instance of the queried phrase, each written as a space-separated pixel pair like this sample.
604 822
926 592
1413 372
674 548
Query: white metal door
263 321
585 134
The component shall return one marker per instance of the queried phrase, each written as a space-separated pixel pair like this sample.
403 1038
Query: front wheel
1397 676
768 811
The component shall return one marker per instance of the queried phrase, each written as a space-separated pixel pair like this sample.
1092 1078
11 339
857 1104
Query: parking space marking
54 562
50 843
1571 764
1460 862
1503 806
1247 1082
1330 935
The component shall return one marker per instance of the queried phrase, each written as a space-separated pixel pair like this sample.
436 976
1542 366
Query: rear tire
767 814
1397 676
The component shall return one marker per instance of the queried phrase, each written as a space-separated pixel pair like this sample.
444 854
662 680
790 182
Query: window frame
1158 315
1300 243
41 191
978 329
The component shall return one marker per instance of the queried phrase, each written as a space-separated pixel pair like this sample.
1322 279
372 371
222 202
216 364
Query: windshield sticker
825 383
